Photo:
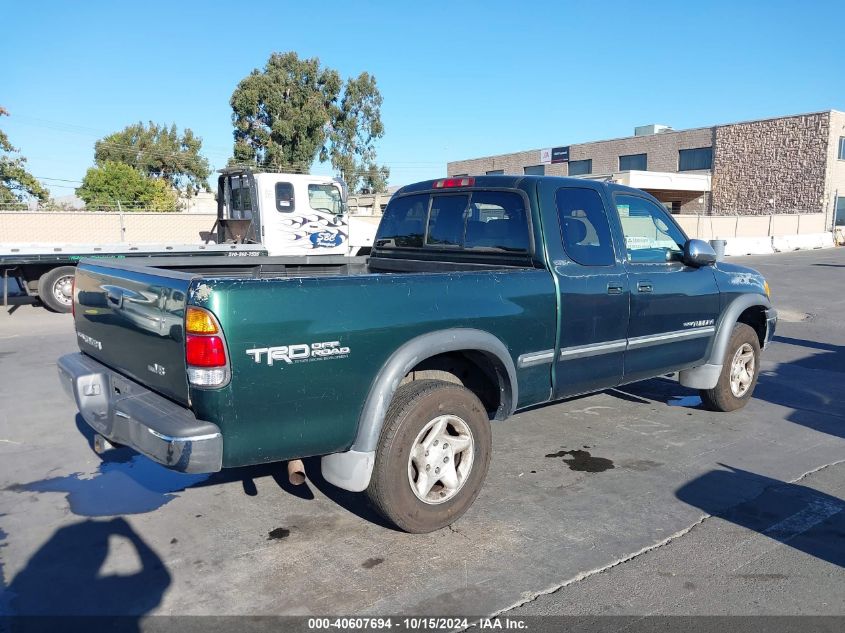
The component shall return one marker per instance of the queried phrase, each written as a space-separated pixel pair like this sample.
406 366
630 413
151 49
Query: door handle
614 289
644 286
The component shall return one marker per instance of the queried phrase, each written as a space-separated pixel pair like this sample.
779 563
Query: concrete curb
737 246
803 242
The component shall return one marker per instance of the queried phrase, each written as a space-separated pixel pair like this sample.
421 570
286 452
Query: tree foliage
158 151
295 111
356 126
112 182
16 183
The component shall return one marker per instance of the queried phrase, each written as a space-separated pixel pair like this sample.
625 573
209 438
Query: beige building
785 165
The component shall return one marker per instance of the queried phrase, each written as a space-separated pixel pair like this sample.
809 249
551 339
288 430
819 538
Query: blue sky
459 79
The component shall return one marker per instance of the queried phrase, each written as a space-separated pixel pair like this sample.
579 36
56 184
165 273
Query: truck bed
268 267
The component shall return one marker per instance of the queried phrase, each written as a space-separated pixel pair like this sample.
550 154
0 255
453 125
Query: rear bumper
127 413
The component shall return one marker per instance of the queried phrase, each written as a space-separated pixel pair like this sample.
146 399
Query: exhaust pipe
296 472
101 444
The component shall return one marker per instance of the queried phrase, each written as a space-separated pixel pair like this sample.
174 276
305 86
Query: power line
57 179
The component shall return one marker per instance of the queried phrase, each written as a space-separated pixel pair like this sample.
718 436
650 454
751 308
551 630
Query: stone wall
771 166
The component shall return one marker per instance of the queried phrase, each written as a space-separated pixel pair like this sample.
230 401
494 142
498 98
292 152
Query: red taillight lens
454 182
205 351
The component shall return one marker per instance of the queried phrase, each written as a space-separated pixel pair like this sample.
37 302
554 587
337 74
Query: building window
534 170
842 148
840 211
496 172
633 162
580 167
459 176
692 159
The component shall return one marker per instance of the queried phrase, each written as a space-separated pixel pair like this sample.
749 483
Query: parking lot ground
632 500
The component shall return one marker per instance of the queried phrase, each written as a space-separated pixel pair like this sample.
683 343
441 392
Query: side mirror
698 253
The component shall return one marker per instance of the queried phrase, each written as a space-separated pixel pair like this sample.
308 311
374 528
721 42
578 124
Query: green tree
105 185
158 151
295 111
16 183
351 139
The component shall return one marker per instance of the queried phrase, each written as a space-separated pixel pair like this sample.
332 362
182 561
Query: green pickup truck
482 296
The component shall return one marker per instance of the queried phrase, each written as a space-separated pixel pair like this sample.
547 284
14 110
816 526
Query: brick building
785 165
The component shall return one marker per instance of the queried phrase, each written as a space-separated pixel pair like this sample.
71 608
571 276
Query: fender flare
707 375
419 349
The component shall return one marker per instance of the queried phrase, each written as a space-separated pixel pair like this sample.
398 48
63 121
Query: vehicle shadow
666 390
813 396
247 475
65 576
354 502
805 519
128 471
129 483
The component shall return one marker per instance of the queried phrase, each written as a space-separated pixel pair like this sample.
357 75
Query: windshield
325 198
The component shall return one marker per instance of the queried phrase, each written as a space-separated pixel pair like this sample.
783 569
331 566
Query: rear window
464 221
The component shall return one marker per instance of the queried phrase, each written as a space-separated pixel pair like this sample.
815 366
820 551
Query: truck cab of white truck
290 214
289 217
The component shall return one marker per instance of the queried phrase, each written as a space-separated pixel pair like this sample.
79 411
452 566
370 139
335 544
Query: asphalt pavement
630 501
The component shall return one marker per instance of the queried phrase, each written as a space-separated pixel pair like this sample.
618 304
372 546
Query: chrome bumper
125 412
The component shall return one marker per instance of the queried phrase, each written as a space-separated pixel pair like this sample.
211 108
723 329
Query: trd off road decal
298 352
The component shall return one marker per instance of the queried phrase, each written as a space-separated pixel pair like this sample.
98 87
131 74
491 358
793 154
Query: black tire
413 407
722 396
47 288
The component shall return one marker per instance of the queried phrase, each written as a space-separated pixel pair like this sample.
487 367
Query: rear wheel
740 370
432 457
55 288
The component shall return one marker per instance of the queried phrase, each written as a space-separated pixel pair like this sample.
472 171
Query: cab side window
651 237
284 197
584 228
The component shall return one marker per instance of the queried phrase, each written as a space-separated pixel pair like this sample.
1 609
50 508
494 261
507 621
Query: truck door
593 292
302 218
673 306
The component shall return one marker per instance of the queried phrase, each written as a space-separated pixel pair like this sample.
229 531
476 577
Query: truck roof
514 182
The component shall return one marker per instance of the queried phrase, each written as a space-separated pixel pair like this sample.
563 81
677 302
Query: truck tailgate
131 318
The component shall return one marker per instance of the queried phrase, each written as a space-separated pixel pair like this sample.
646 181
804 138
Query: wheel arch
478 347
749 309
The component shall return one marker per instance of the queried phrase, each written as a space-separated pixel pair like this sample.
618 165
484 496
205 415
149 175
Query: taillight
205 350
447 183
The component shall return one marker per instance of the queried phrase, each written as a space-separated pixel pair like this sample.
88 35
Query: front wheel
432 457
55 288
740 371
